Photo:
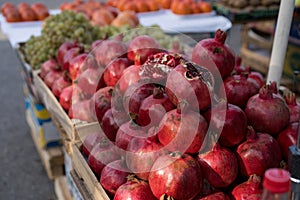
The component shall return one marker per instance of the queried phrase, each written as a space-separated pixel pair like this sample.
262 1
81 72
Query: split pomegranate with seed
158 66
294 107
90 141
214 54
191 83
52 76
114 175
142 46
153 108
59 84
288 137
134 189
102 154
62 50
141 154
114 71
239 88
175 175
215 196
251 189
47 66
101 101
233 131
267 112
220 166
258 153
182 130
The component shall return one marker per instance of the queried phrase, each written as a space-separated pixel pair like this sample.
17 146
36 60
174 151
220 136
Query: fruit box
82 168
56 111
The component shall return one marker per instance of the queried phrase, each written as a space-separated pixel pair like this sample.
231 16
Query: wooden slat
61 189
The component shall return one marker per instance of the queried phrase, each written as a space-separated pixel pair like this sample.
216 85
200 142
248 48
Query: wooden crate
82 168
57 112
61 188
52 158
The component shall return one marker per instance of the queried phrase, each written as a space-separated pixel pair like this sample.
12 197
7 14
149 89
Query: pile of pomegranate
172 128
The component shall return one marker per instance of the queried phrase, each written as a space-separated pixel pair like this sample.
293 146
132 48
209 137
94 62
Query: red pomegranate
47 66
62 50
70 54
220 166
109 125
65 97
59 84
294 107
82 110
267 112
88 81
90 141
114 71
258 153
52 76
182 130
175 175
216 50
77 65
192 83
215 196
129 77
101 101
251 189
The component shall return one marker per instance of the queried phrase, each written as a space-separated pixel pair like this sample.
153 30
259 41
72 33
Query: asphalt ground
22 175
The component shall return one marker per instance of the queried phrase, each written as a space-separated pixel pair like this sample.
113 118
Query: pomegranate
235 125
220 166
239 88
70 54
134 96
153 108
141 154
65 97
90 141
288 137
182 130
101 101
77 65
258 77
127 132
215 196
108 50
134 190
103 153
63 50
114 71
142 46
258 153
238 67
251 189
294 107
82 110
59 84
158 66
172 174
95 44
191 83
129 76
88 81
114 175
109 125
267 112
216 49
52 76
47 66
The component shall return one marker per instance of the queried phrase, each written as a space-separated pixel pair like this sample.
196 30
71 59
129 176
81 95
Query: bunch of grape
58 29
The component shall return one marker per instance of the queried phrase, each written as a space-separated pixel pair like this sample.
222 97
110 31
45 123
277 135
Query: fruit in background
114 71
70 54
142 6
101 102
235 125
181 7
47 66
287 138
191 83
171 175
153 108
88 81
63 50
109 125
214 54
114 175
90 141
182 130
267 112
239 88
109 50
258 153
141 47
141 154
205 7
59 84
82 110
219 165
251 189
134 189
294 107
102 154
102 17
65 98
40 10
52 76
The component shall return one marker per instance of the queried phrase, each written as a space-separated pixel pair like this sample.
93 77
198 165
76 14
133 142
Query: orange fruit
153 5
141 6
205 6
166 4
181 8
195 8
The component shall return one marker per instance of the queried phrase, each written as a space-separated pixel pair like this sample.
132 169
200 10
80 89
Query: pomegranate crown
220 36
